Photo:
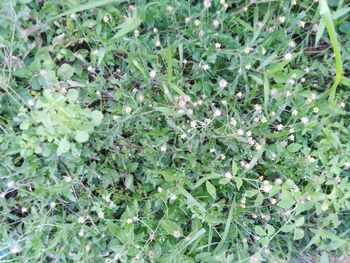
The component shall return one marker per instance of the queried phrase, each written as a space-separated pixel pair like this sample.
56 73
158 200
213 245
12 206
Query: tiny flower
342 104
187 239
153 74
314 27
205 66
73 16
173 197
288 93
274 92
292 44
68 179
169 8
31 103
279 127
90 69
200 102
95 52
197 22
263 120
193 124
81 233
282 19
185 61
248 133
240 132
257 108
183 136
273 201
294 112
101 214
347 165
52 205
223 83
177 234
288 56
136 33
24 210
201 33
81 220
207 3
155 30
246 50
127 109
216 23
233 122
278 181
248 67
304 120
324 207
187 20
150 254
160 189
141 98
10 184
315 110
291 137
14 249
105 19
239 94
217 45
163 148
228 175
129 221
157 44
301 23
212 150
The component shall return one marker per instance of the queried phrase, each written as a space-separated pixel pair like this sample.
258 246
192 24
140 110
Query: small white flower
304 120
81 233
347 165
201 33
169 8
153 74
90 69
282 19
257 108
278 181
239 94
10 184
217 113
288 93
101 214
228 175
160 189
187 239
288 56
68 179
315 110
205 66
185 61
216 23
217 45
193 124
294 112
155 30
263 120
342 104
31 103
197 22
240 132
129 221
233 122
136 33
24 210
177 234
14 249
157 44
187 20
173 197
291 137
292 44
183 136
163 148
95 53
73 16
324 207
81 220
246 50
212 150
127 109
105 19
52 205
279 127
207 3
248 67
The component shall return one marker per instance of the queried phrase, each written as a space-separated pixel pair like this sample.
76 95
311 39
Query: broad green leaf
81 136
259 231
294 147
170 227
72 95
63 146
298 234
234 168
239 182
211 189
96 117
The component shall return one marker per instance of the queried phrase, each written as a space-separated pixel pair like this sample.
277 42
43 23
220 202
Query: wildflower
291 137
216 23
201 33
212 150
185 61
324 207
169 8
228 175
257 108
197 22
279 127
150 254
173 197
193 124
288 56
187 20
177 234
248 66
160 189
347 165
205 66
141 98
187 239
101 214
127 109
301 23
284 144
239 94
157 44
263 120
87 248
136 33
81 220
240 132
81 233
14 249
223 83
315 110
53 205
248 133
24 210
292 44
294 112
273 201
155 30
183 136
217 45
163 148
314 27
342 104
304 120
246 50
282 19
274 92
200 102
207 3
73 16
233 122
90 69
153 74
129 221
95 53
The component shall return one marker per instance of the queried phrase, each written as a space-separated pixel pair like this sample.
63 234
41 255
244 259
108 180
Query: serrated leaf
63 146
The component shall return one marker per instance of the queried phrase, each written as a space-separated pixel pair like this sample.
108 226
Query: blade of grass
88 6
266 92
129 25
169 60
328 20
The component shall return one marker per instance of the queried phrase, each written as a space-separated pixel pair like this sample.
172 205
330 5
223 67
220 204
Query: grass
174 131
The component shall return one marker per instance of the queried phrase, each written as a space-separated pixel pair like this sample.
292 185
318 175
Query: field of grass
175 131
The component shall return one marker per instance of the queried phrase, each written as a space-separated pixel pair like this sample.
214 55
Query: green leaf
63 146
239 182
259 231
170 227
294 147
81 136
72 95
66 71
96 117
129 25
234 168
300 221
211 189
23 73
298 234
287 200
287 228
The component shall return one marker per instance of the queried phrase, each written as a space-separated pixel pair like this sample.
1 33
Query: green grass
174 131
